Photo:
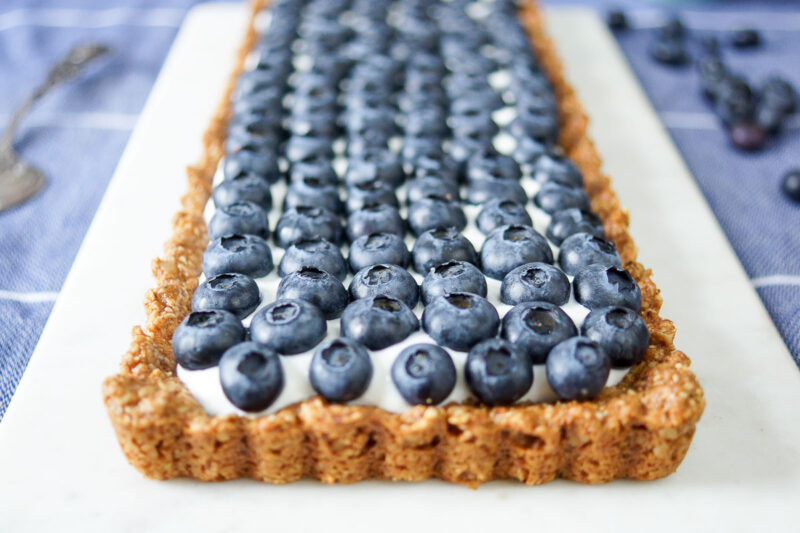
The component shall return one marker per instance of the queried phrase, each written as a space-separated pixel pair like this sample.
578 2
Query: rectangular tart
639 429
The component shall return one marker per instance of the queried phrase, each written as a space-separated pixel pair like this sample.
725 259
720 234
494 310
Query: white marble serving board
62 470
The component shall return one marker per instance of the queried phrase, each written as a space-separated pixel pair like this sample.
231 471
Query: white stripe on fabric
91 18
28 297
770 281
687 120
98 120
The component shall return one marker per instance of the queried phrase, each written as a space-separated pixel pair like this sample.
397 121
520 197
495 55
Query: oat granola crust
639 429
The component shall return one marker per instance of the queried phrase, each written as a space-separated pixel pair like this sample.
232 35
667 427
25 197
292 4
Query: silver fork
19 180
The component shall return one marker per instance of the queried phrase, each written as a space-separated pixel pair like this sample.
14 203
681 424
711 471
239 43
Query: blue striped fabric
78 133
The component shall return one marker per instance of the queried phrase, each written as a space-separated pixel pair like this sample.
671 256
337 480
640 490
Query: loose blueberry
460 320
433 211
390 280
498 372
452 276
550 167
780 94
245 254
535 327
312 192
620 332
317 287
251 376
568 222
242 218
424 374
496 213
508 247
601 286
376 248
791 185
583 249
232 292
617 20
340 370
577 369
288 326
317 253
378 321
553 197
669 52
746 38
306 222
375 218
203 336
248 188
439 245
535 282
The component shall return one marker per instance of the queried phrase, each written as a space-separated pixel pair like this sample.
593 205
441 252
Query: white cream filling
381 392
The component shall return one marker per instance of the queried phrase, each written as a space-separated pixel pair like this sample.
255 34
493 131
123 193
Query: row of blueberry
310 228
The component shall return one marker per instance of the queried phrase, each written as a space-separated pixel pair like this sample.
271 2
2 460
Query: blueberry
535 282
617 20
600 286
306 222
528 149
248 188
748 135
496 213
245 254
424 374
508 247
433 211
240 217
288 326
577 369
439 245
620 332
492 165
251 376
735 100
452 276
498 372
301 148
583 249
261 164
320 124
317 287
553 197
237 293
460 320
318 169
550 167
378 321
317 253
480 191
375 218
416 148
390 280
203 336
746 38
370 193
791 185
340 370
380 119
779 93
255 133
380 165
570 221
429 186
312 192
375 248
535 327
669 52
674 28
540 125
425 121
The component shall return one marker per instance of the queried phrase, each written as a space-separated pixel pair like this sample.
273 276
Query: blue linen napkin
78 133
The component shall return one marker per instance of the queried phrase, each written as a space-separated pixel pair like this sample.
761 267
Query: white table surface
62 470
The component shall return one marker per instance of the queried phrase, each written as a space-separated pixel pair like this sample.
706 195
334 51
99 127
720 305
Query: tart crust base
639 429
